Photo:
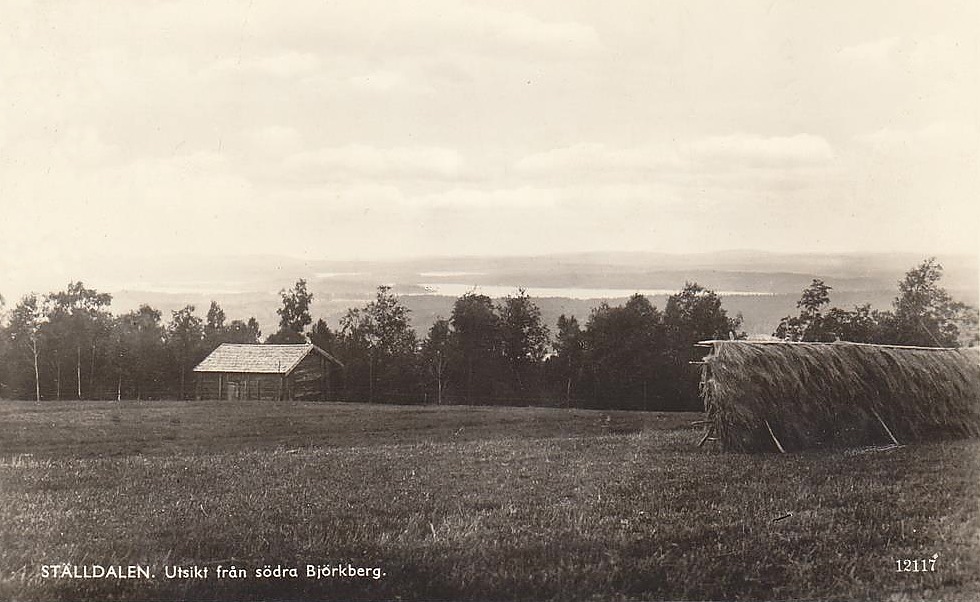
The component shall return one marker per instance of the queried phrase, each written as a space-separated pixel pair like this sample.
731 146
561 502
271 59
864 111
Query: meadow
467 503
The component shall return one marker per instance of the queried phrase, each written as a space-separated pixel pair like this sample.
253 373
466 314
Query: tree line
68 345
923 314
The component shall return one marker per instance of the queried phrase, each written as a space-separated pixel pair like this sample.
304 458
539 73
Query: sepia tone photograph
489 300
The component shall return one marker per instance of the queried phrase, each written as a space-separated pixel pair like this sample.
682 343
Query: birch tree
26 320
84 313
185 334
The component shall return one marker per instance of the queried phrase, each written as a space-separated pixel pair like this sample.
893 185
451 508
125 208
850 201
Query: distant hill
761 286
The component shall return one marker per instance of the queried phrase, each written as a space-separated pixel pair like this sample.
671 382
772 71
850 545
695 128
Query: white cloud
361 160
873 51
373 27
462 198
744 160
596 159
759 151
158 126
378 81
275 139
939 132
525 31
289 64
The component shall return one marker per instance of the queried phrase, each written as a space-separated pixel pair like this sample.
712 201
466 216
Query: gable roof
261 359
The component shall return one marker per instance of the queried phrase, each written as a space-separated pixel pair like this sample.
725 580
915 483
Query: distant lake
452 289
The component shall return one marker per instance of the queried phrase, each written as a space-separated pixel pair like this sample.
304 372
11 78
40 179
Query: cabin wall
310 379
232 386
207 386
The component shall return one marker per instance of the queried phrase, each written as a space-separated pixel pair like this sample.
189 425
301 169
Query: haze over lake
457 289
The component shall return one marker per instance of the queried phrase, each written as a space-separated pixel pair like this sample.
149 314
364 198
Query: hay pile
838 394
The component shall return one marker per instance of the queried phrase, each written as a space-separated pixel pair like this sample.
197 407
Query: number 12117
918 565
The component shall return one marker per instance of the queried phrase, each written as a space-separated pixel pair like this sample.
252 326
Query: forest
69 345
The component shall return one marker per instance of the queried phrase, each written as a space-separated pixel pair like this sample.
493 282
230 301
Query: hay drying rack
709 434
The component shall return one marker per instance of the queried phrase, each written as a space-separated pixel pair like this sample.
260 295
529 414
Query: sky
363 129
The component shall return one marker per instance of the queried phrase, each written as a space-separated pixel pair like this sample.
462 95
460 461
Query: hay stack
807 395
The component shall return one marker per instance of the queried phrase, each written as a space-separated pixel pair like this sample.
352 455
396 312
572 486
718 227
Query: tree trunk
57 379
78 368
91 374
439 386
37 373
182 380
440 368
119 388
371 376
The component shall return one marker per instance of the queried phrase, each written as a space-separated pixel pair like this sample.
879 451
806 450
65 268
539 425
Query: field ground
468 503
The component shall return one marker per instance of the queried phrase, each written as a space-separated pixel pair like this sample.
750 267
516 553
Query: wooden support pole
773 435
885 426
707 435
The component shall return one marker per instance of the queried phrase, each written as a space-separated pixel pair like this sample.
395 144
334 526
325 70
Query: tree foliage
694 314
436 353
476 347
294 315
139 361
632 355
622 346
81 320
217 331
569 357
380 348
524 340
923 314
185 337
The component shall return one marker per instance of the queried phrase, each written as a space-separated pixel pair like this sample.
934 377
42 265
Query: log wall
310 379
238 386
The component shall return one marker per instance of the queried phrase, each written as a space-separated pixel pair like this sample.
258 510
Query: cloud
525 31
288 64
596 159
236 124
873 51
275 139
384 81
373 27
462 198
750 150
359 160
684 161
939 132
946 53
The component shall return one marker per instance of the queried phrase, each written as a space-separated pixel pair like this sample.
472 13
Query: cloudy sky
382 129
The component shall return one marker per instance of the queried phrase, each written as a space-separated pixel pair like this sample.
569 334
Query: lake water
458 290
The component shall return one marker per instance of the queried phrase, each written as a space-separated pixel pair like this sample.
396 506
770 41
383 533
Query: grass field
469 504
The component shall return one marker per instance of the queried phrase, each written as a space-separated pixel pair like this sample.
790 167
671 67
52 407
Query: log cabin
266 372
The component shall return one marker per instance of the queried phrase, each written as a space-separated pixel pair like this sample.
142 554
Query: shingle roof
263 359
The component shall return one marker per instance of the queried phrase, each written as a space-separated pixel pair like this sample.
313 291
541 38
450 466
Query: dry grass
818 394
534 505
